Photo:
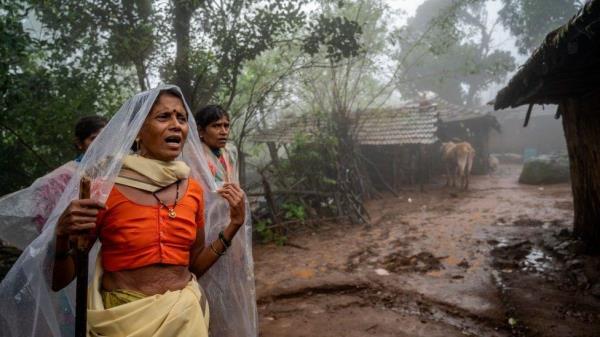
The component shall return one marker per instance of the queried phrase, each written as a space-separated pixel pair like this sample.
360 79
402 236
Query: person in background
86 130
213 127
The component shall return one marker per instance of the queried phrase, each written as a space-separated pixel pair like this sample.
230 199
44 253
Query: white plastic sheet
24 212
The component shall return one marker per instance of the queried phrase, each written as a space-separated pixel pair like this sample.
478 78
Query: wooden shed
565 70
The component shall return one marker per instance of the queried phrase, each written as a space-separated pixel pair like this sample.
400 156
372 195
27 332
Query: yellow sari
174 313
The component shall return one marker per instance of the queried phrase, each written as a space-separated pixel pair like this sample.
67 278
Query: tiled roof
413 123
406 125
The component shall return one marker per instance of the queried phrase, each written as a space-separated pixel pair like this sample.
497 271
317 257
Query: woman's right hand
78 217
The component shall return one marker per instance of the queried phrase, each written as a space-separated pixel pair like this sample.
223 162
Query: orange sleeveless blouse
135 235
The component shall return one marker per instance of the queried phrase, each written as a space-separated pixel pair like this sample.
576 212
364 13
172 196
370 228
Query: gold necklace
170 210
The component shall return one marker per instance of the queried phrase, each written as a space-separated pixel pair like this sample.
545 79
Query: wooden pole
528 115
82 270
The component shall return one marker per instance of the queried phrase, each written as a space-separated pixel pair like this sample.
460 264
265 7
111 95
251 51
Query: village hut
565 70
396 144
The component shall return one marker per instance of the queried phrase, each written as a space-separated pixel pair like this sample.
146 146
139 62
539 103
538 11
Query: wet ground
498 260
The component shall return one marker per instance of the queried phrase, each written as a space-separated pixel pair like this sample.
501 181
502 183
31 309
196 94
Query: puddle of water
538 261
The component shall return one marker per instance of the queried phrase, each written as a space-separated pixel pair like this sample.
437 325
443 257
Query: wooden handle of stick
82 269
85 191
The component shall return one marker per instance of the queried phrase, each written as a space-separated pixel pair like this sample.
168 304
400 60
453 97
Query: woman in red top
152 234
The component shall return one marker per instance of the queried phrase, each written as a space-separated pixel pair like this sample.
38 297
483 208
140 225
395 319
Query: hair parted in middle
209 114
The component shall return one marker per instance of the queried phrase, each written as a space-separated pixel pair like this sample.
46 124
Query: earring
137 145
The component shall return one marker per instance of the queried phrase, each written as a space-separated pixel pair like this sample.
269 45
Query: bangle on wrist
215 251
224 241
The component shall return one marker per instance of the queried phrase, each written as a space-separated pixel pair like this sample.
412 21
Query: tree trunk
242 167
581 122
183 11
141 75
269 198
273 153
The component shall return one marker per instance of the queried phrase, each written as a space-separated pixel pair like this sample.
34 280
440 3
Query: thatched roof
566 64
520 111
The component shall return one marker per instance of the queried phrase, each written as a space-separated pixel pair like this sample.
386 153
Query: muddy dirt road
497 260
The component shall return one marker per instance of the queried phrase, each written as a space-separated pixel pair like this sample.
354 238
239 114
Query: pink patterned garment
47 191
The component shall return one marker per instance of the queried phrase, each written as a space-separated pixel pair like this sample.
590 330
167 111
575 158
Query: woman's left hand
237 206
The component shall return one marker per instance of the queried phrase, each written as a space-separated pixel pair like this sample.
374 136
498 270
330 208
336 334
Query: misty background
265 61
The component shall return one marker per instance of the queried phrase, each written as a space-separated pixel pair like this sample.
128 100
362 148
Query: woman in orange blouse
151 229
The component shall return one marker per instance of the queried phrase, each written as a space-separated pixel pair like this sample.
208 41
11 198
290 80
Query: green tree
530 20
103 36
447 48
39 102
108 47
334 90
202 46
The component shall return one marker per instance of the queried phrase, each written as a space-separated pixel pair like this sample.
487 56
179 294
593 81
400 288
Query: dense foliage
72 58
447 48
530 20
41 97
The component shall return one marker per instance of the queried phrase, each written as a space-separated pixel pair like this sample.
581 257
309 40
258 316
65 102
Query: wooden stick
528 115
82 269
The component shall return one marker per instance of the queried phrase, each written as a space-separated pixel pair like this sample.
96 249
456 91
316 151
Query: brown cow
458 159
